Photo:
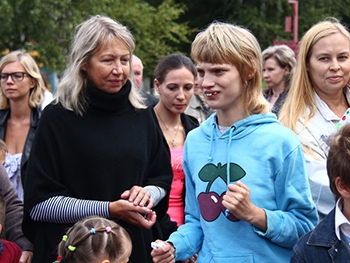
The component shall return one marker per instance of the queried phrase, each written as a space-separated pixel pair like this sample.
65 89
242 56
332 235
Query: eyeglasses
16 76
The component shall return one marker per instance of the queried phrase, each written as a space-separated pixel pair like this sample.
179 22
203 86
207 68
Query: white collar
323 108
341 222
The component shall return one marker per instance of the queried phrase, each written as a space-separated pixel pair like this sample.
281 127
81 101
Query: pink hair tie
108 229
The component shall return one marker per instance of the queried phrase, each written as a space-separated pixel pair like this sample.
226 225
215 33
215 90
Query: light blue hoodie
268 158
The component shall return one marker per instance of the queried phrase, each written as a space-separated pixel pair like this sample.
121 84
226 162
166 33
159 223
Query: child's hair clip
92 231
71 248
108 229
64 238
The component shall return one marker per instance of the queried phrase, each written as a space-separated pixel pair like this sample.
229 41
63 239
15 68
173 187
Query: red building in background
293 44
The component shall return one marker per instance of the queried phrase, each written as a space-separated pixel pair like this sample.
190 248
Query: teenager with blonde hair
247 195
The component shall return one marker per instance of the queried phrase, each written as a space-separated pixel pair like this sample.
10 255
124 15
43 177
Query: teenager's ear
343 189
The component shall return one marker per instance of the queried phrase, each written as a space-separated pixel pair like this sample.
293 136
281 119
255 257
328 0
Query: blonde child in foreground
95 240
329 241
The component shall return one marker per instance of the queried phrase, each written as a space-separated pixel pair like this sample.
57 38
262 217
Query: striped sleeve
63 210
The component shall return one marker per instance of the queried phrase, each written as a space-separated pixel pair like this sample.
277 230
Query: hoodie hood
237 131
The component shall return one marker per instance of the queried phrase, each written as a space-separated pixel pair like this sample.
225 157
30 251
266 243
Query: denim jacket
322 244
34 120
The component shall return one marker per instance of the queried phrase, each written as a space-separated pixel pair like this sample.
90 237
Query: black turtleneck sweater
97 156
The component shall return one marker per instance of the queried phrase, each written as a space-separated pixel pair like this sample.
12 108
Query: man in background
137 67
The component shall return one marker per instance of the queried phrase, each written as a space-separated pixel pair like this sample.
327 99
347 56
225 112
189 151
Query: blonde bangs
216 46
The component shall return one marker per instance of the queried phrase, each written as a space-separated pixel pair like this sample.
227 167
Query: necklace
173 142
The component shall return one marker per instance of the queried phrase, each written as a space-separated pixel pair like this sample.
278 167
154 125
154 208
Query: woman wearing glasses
21 93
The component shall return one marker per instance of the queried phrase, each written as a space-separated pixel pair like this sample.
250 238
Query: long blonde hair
300 102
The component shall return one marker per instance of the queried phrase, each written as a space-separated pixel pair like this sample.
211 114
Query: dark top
279 102
34 120
149 99
95 157
189 122
322 244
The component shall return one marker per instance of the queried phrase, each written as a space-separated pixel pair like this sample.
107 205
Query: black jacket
189 122
34 120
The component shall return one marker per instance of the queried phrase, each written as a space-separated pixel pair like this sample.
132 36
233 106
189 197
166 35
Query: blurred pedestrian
21 95
278 69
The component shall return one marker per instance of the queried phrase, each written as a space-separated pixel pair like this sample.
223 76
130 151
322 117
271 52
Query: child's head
94 240
3 151
224 43
338 161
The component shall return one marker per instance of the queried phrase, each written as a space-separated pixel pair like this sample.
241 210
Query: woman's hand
138 196
165 253
136 215
26 257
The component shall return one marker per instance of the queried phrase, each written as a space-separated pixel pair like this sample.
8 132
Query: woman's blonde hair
224 43
89 37
31 67
300 101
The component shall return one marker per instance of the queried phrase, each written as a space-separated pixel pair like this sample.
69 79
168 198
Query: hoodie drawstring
232 129
228 175
210 156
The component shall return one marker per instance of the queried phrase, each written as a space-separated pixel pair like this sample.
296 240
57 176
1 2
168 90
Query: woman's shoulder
55 114
189 122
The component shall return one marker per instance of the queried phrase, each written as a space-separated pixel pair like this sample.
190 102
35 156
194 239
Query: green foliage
155 29
314 11
160 27
47 26
264 18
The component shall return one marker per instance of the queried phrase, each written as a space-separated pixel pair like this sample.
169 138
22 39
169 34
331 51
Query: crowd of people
213 168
